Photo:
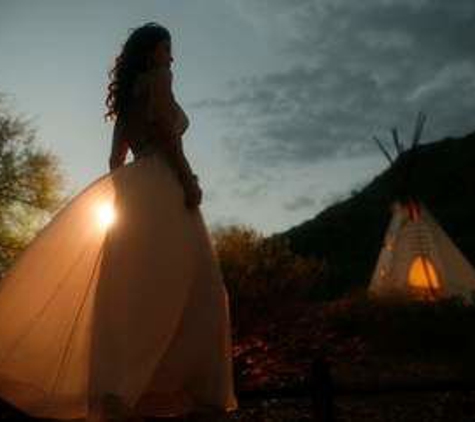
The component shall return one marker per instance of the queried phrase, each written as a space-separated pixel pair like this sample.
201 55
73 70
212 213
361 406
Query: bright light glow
422 274
105 215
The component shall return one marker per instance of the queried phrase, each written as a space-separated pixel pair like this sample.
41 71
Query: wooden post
322 391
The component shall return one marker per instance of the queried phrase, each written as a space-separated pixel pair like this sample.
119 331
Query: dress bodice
182 121
153 104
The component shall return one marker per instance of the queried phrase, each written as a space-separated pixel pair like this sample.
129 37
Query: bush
262 274
419 329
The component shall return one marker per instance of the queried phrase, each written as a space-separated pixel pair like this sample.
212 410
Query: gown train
120 293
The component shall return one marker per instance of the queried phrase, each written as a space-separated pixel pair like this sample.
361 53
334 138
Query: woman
117 308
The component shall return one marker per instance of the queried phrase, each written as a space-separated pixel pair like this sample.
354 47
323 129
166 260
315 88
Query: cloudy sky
283 96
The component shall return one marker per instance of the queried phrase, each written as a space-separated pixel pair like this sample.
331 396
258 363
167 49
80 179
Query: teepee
418 260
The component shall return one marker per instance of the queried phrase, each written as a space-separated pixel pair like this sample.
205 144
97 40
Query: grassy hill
348 234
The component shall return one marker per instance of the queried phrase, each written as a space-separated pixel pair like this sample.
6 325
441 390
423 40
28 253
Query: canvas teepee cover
418 260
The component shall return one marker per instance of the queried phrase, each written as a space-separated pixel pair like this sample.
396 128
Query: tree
31 184
262 274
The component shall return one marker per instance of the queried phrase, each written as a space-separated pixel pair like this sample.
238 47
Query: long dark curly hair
135 57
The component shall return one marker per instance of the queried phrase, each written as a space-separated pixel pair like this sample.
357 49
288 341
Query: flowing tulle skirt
119 299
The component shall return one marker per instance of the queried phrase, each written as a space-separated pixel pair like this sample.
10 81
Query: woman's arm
119 148
161 114
176 157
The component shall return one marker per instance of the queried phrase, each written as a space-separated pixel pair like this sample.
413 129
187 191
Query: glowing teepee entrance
423 277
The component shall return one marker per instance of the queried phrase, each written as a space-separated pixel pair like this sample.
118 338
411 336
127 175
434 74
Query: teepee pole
420 121
383 150
397 143
428 275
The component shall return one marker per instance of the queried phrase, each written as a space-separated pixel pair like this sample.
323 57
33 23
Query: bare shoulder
161 75
153 78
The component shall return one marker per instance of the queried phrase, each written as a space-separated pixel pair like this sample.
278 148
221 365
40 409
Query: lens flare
105 215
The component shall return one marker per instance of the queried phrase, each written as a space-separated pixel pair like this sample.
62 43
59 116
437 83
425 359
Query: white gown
129 305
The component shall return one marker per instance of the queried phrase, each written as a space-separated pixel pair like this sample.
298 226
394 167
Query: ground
362 345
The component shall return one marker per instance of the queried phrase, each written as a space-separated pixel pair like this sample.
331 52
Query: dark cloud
300 202
358 68
249 191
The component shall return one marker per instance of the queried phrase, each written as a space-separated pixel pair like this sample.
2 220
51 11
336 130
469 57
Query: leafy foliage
261 274
417 329
30 184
